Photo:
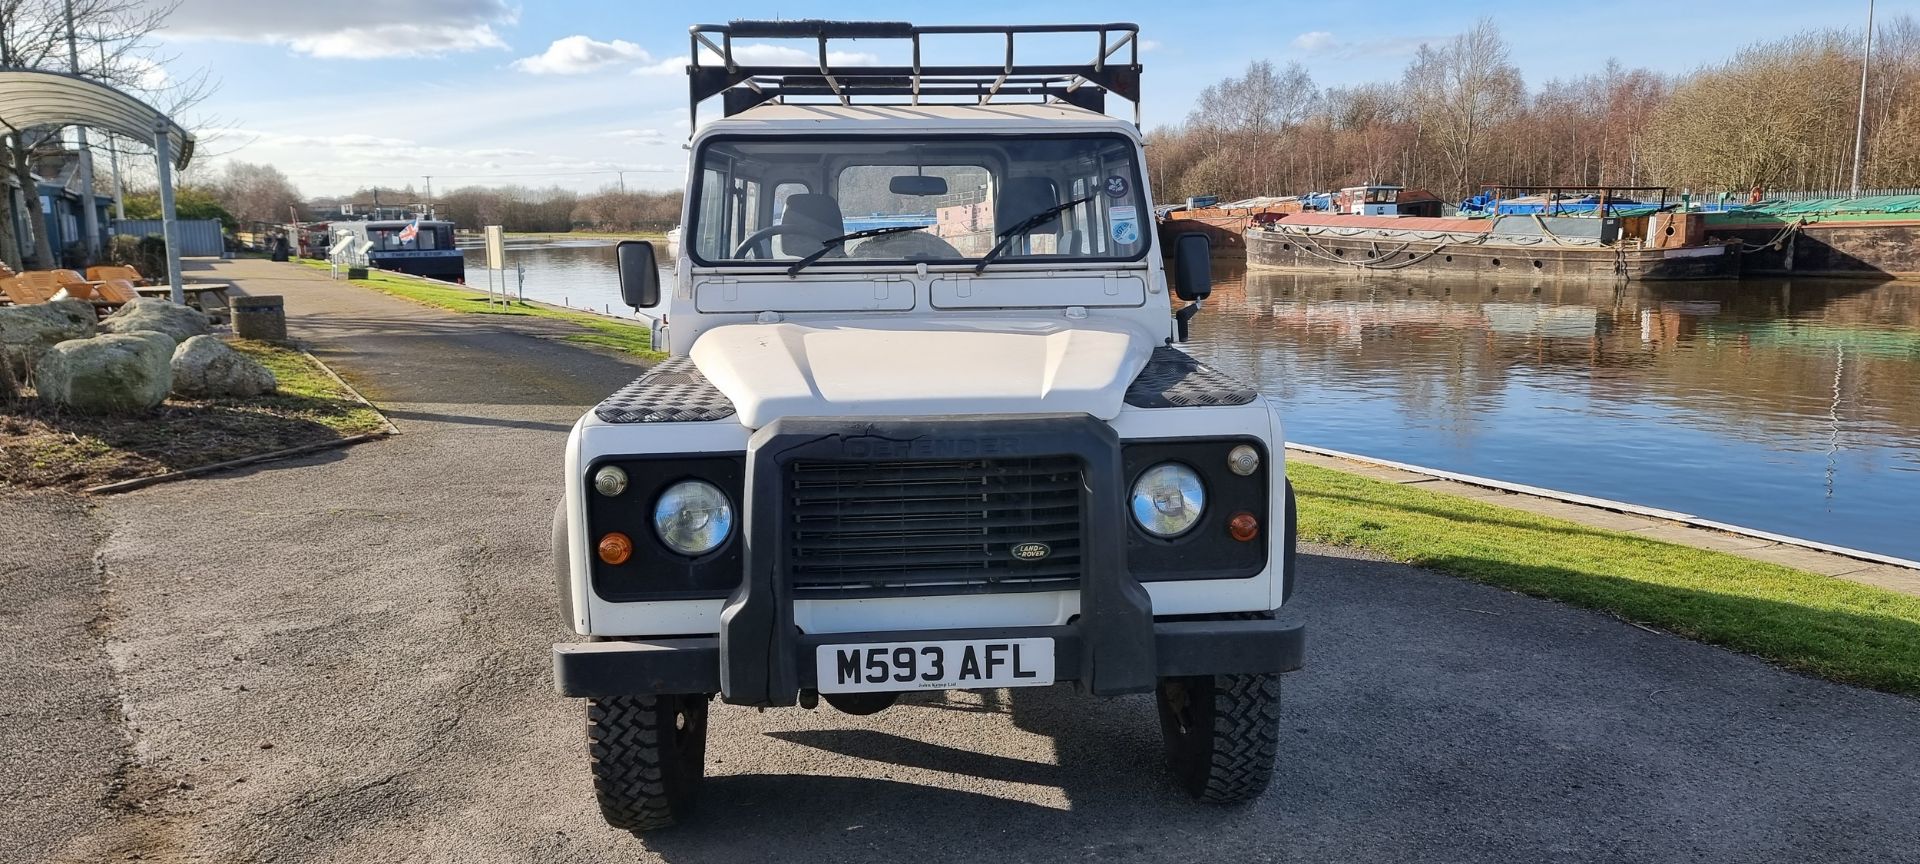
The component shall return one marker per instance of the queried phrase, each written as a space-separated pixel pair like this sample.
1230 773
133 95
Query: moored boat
1869 236
1642 245
1224 224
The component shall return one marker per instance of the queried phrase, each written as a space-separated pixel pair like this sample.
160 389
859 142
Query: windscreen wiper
1021 227
832 243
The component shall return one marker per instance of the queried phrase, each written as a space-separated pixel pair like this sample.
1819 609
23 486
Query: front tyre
1222 733
648 755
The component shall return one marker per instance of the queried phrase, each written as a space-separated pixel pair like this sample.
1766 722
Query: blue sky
348 93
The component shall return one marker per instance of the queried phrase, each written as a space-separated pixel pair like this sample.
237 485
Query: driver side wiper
831 243
1021 227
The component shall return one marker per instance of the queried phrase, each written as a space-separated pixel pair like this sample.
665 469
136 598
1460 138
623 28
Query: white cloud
349 29
1326 44
1314 42
577 55
756 54
1147 45
636 135
150 76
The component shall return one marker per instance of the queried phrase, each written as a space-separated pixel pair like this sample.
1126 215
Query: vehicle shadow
1104 794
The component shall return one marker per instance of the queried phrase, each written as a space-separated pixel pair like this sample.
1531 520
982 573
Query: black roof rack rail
714 69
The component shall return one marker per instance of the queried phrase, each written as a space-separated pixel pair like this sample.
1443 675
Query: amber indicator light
615 548
1243 527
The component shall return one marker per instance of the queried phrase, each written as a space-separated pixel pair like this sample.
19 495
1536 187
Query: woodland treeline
520 208
1779 115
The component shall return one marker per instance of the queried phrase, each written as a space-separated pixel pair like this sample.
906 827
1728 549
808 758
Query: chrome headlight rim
693 517
1144 505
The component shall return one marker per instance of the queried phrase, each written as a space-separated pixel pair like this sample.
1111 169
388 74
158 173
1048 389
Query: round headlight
693 517
1168 499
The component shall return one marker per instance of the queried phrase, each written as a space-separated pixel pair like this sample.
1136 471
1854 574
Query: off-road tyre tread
642 774
1234 763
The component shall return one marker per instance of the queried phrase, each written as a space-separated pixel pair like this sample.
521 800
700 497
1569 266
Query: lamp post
1860 121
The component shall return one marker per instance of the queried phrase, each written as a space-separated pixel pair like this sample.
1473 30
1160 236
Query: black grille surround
934 527
759 644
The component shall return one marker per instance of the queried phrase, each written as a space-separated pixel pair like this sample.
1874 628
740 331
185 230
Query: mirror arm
1182 318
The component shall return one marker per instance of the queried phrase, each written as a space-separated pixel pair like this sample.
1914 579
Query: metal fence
198 237
1816 194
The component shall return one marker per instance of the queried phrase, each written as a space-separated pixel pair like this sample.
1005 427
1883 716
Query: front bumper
692 665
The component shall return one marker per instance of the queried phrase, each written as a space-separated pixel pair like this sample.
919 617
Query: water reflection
581 274
1786 405
1790 406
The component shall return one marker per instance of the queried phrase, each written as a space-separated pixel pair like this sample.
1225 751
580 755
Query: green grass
42 445
307 392
599 330
1840 630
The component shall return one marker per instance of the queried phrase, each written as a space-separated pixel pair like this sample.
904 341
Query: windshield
780 200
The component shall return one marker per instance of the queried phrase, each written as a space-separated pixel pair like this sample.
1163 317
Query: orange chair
115 271
21 292
49 281
119 292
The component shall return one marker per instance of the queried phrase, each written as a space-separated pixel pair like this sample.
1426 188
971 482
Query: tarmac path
345 658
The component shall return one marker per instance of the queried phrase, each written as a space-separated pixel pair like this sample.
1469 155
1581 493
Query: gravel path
345 659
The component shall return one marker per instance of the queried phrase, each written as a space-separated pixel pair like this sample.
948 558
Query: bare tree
257 193
1477 88
112 44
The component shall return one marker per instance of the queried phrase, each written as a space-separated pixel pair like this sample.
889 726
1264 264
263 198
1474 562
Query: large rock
26 332
114 373
149 314
206 368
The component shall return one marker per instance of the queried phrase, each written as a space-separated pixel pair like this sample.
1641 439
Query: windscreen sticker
1116 186
1126 226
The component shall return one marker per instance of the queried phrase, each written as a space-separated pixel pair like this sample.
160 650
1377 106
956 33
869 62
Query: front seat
1020 198
811 219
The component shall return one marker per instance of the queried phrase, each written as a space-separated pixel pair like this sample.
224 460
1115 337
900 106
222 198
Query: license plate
960 664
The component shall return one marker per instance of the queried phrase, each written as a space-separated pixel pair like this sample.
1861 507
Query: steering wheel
757 242
910 245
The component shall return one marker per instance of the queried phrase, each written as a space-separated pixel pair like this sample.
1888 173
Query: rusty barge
1874 236
1616 239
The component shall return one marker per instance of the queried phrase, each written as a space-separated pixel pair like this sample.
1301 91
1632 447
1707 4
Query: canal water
1790 406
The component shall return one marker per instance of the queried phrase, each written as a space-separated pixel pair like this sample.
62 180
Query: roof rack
715 69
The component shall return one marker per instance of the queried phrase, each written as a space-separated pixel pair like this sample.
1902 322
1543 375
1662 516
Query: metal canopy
35 97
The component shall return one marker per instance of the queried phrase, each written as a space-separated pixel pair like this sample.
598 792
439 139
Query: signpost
496 259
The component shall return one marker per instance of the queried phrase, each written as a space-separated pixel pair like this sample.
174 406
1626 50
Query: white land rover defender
923 426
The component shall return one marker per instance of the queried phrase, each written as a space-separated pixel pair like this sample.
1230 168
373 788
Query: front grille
863 529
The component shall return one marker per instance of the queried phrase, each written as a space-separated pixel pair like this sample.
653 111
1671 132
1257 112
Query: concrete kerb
387 430
1671 526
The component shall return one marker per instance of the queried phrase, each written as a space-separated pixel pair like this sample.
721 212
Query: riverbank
1835 628
597 330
